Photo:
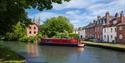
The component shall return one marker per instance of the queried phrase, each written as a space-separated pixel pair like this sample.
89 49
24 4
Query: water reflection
59 54
32 49
81 49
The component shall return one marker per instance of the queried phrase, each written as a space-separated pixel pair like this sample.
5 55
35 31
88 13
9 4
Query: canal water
60 54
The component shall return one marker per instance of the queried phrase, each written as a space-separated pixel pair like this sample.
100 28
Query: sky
79 12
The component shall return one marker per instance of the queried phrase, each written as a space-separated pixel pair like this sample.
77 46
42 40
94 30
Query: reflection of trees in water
32 49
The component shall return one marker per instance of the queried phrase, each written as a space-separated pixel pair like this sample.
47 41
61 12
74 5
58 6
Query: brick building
107 28
121 29
90 31
98 29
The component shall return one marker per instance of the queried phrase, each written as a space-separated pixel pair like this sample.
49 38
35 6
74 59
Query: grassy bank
8 56
120 47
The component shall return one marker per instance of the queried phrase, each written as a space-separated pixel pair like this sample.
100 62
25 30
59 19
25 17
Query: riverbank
119 47
8 56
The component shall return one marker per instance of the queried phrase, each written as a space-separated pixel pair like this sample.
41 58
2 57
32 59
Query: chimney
94 21
121 13
98 17
116 14
121 16
107 13
107 17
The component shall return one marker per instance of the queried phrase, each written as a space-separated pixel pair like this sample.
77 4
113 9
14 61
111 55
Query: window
29 32
111 36
120 36
104 30
120 28
115 29
34 27
104 36
111 29
29 27
34 32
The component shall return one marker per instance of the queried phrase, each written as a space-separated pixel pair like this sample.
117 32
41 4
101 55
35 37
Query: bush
27 39
71 35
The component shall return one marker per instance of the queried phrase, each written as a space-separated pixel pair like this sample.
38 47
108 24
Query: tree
13 11
55 25
18 32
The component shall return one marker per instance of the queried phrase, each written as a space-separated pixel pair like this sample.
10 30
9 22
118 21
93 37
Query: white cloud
79 17
112 7
73 12
72 4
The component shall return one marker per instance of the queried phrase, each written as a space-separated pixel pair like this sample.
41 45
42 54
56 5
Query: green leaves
18 32
14 11
55 25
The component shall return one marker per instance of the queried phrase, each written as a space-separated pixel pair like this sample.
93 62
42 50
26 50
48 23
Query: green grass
8 56
106 44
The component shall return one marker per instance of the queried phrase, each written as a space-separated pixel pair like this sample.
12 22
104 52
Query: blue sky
80 12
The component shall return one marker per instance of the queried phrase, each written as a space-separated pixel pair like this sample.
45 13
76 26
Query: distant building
121 29
107 28
81 32
98 29
90 31
33 29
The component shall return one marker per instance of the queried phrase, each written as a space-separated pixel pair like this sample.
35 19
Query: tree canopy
18 32
13 11
55 25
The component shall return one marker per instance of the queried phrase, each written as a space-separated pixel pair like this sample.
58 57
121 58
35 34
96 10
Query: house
98 29
33 28
121 29
109 30
81 32
90 31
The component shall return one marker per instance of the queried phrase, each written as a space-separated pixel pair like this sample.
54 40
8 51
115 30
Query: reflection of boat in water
80 49
62 41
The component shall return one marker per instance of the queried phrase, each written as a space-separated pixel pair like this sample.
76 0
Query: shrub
27 39
71 35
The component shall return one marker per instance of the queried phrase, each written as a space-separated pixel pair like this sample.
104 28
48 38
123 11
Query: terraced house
121 29
107 28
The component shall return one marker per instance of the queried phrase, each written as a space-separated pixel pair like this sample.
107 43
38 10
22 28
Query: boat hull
61 42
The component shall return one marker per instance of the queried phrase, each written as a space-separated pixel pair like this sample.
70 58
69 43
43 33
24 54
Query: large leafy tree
55 25
13 11
19 31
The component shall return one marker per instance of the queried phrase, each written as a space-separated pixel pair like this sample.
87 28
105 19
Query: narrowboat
62 42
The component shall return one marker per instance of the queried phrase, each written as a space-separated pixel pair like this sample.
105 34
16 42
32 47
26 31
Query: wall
109 35
32 30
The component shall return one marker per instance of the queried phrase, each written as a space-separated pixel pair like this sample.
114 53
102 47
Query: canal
61 54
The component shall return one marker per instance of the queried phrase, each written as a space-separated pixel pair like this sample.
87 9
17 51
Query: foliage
31 39
18 32
27 39
55 25
61 35
74 35
14 11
